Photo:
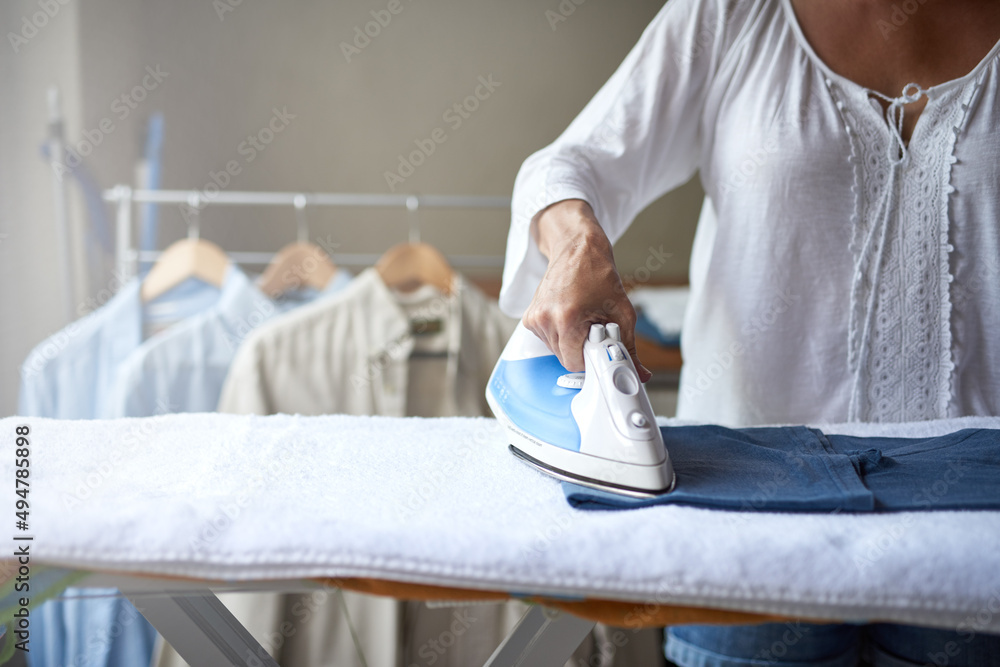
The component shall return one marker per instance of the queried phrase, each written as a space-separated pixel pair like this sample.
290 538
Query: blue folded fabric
957 471
800 469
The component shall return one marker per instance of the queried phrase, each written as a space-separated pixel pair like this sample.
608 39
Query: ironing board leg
542 638
202 630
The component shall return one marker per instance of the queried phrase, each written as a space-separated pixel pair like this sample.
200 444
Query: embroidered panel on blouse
899 347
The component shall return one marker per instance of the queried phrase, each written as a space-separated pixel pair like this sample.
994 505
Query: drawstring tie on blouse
894 115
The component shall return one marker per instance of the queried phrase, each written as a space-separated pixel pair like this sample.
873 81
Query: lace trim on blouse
899 348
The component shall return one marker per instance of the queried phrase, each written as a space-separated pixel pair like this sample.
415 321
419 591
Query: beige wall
352 120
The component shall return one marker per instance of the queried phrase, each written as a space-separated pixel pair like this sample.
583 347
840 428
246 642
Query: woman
846 265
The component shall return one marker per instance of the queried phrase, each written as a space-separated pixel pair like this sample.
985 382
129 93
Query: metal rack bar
344 258
239 198
127 257
64 229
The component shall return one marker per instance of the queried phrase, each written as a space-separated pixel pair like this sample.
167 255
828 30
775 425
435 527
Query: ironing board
438 509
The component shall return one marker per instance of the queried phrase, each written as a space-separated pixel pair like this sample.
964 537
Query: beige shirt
369 351
351 353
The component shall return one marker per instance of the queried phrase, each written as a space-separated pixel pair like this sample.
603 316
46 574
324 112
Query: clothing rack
65 234
128 256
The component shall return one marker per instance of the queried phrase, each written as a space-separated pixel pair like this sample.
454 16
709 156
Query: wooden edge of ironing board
632 615
618 613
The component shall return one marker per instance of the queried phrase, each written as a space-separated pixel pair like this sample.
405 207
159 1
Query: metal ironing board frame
206 634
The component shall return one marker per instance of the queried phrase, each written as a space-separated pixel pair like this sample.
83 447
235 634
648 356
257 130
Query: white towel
442 501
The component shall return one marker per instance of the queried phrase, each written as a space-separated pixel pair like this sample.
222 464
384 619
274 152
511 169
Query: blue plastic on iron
530 397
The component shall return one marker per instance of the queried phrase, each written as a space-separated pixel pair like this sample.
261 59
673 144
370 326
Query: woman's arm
581 284
639 137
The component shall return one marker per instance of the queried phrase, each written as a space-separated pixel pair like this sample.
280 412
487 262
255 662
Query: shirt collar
241 305
396 330
297 297
120 320
339 281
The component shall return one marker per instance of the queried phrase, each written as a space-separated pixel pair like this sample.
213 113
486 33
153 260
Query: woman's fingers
581 286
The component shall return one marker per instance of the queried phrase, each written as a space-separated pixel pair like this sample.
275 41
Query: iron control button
615 353
638 420
571 380
596 333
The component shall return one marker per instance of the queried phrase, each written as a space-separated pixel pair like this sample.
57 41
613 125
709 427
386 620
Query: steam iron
594 428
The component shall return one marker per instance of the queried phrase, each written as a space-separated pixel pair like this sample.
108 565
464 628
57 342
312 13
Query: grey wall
31 282
352 119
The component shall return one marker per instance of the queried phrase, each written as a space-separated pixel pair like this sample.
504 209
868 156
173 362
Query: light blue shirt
183 368
70 375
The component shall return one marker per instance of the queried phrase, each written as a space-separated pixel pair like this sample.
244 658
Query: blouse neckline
792 20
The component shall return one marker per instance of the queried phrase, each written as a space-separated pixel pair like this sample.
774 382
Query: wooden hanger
299 264
406 266
188 258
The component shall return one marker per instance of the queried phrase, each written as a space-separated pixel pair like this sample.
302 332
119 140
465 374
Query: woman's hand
581 285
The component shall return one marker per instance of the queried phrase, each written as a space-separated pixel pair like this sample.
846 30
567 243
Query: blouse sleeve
638 138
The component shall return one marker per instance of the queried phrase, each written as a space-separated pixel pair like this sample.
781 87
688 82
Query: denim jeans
799 469
834 645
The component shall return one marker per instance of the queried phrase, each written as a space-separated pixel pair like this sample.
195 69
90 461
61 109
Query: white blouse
836 275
